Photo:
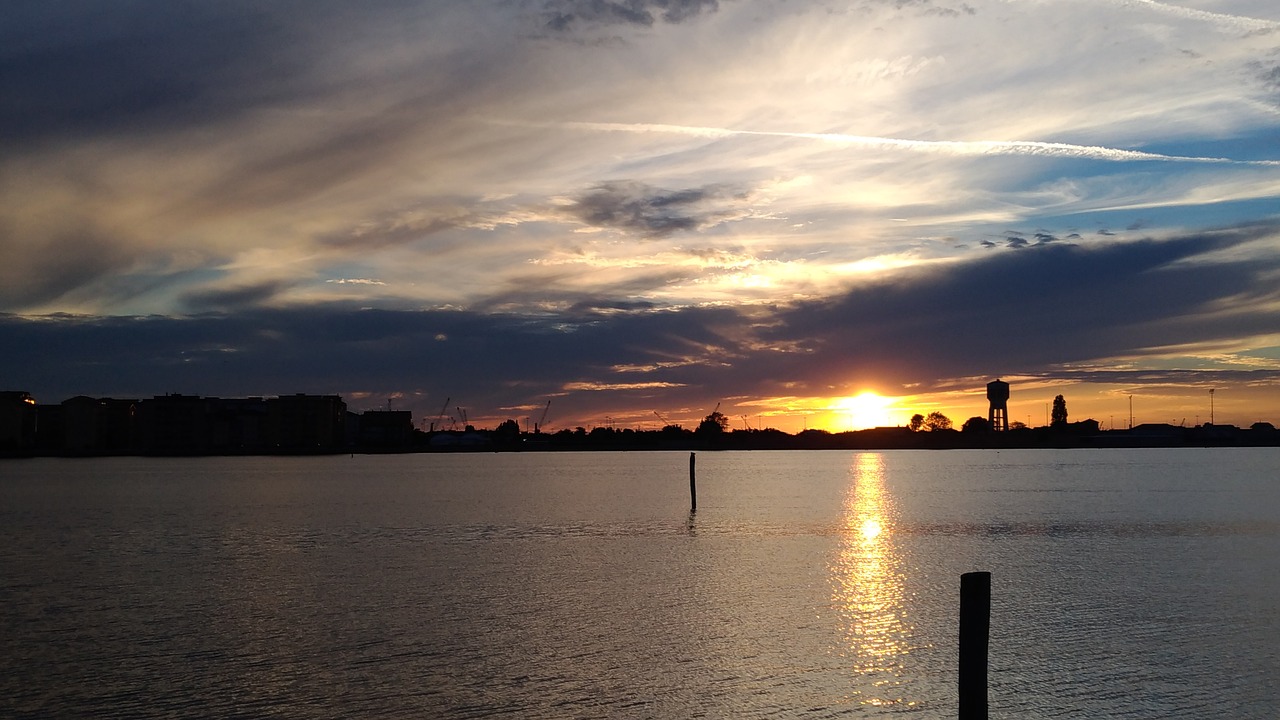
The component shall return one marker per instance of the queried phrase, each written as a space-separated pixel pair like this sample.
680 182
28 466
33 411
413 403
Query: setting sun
864 410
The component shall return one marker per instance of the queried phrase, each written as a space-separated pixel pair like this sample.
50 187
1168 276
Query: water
1126 584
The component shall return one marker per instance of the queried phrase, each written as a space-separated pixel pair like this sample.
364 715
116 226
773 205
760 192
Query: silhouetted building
239 426
98 426
385 428
49 429
175 425
18 422
306 423
998 395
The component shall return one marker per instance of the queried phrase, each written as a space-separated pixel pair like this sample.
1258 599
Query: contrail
1232 22
1239 22
943 147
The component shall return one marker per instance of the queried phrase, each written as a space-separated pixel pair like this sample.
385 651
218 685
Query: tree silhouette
1058 417
975 424
916 421
713 424
937 421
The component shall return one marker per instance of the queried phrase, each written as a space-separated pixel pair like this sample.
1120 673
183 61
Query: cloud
1046 305
599 386
1037 311
925 7
233 298
565 14
782 161
78 68
400 229
1268 75
57 266
638 208
355 281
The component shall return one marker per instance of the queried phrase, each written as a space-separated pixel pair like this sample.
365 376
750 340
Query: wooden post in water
693 485
975 624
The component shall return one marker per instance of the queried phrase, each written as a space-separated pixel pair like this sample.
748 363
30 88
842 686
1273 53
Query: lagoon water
1125 584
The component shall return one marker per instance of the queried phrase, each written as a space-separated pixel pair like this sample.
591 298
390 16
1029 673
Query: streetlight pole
1210 406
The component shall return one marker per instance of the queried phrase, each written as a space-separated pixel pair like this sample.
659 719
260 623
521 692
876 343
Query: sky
808 214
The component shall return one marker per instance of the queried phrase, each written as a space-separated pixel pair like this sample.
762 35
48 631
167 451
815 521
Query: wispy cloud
602 386
355 281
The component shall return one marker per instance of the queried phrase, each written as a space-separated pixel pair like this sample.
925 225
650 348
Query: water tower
998 394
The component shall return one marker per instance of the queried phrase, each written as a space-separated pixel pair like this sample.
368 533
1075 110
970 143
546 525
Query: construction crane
664 420
537 427
440 417
746 422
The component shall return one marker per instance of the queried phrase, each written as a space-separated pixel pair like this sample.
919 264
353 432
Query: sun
864 410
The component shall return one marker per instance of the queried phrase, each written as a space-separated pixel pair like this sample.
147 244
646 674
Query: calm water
1135 584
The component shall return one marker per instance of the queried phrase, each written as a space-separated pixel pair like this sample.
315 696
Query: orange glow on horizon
1029 404
865 410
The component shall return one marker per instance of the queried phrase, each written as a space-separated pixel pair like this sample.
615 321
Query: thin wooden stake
693 484
975 624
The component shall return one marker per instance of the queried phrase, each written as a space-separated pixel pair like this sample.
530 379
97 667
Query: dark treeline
194 425
318 424
1081 435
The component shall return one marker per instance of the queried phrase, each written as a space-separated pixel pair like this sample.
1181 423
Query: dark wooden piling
693 484
975 625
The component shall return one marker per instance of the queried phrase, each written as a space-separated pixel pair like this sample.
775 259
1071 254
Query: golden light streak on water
867 589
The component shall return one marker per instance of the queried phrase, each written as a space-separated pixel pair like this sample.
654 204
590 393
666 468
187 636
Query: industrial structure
998 395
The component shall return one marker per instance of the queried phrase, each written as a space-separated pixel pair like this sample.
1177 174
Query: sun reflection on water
867 589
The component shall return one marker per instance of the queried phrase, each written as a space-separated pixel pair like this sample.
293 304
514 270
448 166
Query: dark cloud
77 65
1268 75
233 298
81 68
482 360
565 14
1169 378
43 270
926 7
1031 312
1046 305
652 212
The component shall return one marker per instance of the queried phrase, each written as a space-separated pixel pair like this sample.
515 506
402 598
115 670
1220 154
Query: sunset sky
635 208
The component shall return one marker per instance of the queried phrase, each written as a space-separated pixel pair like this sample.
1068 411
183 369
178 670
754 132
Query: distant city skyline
812 214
